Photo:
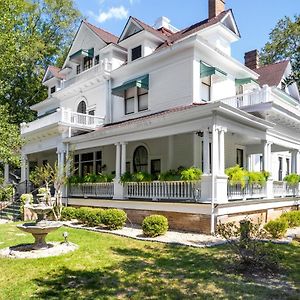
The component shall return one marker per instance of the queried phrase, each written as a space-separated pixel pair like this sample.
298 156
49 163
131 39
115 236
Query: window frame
52 89
140 53
208 86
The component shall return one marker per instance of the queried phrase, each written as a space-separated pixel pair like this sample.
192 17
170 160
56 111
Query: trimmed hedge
114 218
68 213
155 225
277 228
292 217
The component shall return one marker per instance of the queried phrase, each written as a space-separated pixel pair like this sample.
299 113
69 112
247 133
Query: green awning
82 53
140 82
243 81
206 70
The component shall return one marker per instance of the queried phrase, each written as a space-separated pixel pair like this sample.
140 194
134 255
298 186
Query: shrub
292 179
75 179
114 218
171 175
277 228
141 177
126 177
236 175
42 191
155 225
82 214
68 213
191 174
256 178
292 218
6 192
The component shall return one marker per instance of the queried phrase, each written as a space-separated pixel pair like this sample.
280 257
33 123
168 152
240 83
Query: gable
229 22
131 28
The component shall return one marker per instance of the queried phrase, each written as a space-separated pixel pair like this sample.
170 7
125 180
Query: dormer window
97 59
53 89
87 63
136 53
78 69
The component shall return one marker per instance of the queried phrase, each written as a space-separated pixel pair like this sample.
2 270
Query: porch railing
249 191
165 190
282 189
92 190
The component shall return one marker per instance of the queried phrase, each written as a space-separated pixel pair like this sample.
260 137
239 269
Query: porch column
6 173
197 150
221 151
24 162
118 160
206 154
294 161
215 151
267 164
119 188
123 160
170 152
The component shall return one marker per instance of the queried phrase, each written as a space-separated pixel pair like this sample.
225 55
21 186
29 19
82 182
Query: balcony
63 117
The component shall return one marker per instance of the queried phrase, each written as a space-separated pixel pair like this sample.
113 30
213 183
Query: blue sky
255 18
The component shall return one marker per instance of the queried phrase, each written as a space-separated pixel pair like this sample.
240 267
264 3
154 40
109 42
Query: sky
255 18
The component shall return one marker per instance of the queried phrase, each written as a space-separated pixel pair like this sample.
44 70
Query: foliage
6 192
284 41
43 191
89 216
245 242
170 175
277 228
236 175
114 218
11 142
155 225
136 177
191 174
90 178
68 213
292 217
258 178
292 179
33 34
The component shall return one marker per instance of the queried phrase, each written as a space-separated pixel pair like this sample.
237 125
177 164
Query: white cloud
118 13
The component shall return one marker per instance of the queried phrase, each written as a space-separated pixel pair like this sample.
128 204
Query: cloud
118 13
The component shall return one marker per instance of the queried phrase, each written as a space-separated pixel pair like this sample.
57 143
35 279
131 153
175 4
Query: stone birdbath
41 227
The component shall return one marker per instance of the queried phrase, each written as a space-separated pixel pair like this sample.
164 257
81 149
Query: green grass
111 267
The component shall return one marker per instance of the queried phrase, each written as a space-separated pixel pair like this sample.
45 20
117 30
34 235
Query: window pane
143 102
81 107
130 93
78 69
136 53
240 157
92 112
97 59
129 106
98 155
140 159
87 168
87 156
53 89
76 158
205 92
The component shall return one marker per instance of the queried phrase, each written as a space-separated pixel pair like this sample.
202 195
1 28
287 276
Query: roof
106 36
272 74
54 71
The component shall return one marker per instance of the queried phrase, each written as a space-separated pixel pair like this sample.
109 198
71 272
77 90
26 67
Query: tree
33 34
10 142
284 42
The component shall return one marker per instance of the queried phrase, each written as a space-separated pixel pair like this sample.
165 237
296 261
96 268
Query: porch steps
11 212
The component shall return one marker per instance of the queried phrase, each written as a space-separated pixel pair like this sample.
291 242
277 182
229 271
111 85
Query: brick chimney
215 7
252 59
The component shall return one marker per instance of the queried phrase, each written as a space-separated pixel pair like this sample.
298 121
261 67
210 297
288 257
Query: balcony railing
64 117
165 190
92 190
249 191
282 189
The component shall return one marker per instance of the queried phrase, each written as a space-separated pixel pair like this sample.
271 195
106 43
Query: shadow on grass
153 272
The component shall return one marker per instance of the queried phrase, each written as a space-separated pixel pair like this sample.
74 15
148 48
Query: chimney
252 59
215 7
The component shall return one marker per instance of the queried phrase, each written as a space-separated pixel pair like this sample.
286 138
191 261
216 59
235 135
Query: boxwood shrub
87 215
114 218
277 228
68 213
155 225
292 217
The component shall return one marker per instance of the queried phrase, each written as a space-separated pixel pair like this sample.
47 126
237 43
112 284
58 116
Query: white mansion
157 98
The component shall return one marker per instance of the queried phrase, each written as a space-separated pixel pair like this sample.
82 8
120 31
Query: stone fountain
41 227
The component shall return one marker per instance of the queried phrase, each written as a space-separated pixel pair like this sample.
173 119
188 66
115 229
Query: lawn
110 267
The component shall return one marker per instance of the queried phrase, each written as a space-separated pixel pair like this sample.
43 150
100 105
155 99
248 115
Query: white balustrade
282 189
249 191
164 190
92 190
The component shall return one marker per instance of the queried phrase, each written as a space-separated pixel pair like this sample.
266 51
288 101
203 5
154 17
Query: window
155 167
261 163
206 88
98 162
136 53
129 101
78 69
92 112
53 89
142 99
88 163
97 59
202 156
280 168
81 108
287 166
240 157
87 63
140 159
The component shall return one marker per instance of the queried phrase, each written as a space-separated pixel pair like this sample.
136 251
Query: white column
267 156
170 152
196 150
118 161
6 173
24 162
123 160
206 154
249 162
294 161
221 151
215 151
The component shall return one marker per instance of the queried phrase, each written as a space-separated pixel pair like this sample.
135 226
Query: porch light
206 70
140 82
77 56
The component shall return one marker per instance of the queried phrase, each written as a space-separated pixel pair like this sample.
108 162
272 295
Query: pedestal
220 188
119 190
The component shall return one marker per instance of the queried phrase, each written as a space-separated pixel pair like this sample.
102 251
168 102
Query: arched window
81 108
140 159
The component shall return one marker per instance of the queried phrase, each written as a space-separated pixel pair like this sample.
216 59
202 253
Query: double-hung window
136 53
87 63
142 99
206 88
129 101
